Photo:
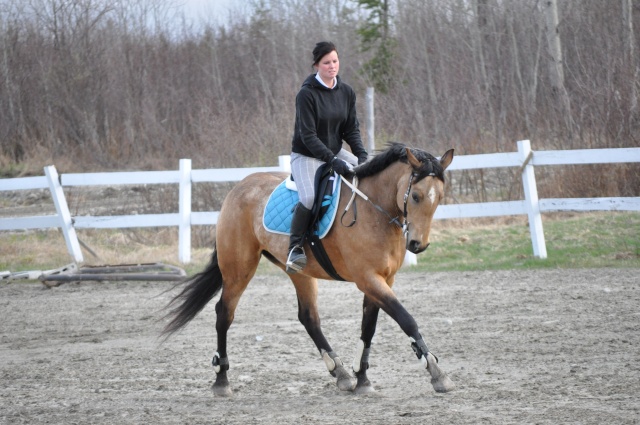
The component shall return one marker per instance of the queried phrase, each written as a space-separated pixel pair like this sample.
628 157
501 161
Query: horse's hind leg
307 291
361 360
236 273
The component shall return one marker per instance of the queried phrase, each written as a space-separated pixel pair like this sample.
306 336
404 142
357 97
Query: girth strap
321 255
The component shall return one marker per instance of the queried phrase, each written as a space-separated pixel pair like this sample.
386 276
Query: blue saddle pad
279 210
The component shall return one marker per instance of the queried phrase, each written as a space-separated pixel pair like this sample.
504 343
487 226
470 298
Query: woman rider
325 116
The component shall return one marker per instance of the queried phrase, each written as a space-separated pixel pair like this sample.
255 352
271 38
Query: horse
404 187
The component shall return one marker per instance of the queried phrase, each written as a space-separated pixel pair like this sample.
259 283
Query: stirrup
297 260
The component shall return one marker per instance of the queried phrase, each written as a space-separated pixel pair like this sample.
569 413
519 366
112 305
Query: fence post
410 259
184 225
284 162
531 200
66 224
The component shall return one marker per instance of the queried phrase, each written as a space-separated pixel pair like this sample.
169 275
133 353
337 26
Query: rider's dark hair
322 48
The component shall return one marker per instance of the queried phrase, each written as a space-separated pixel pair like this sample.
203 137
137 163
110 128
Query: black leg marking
312 325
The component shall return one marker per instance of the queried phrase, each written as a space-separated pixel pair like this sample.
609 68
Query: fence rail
524 158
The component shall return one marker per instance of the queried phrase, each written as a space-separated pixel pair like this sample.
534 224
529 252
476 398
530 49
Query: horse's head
419 195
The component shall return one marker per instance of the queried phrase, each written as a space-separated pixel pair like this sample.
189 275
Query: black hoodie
324 118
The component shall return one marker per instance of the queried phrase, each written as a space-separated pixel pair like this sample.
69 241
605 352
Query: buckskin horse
404 187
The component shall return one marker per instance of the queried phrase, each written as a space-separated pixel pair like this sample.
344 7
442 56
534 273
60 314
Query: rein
392 220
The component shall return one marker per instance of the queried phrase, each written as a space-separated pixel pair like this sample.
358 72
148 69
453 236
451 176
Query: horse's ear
415 162
446 159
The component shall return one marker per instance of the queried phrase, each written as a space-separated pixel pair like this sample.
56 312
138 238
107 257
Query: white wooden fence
524 158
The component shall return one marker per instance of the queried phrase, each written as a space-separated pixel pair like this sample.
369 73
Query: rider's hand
341 167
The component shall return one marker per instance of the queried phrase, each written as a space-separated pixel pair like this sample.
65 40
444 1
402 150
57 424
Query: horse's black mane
397 152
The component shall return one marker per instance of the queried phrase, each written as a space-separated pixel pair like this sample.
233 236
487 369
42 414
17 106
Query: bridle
404 225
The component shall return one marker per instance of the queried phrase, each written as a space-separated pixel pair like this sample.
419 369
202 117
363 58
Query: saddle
282 201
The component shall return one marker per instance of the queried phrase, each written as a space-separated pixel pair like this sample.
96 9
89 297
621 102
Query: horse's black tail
199 290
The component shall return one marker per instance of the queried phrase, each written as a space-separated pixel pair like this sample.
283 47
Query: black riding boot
299 225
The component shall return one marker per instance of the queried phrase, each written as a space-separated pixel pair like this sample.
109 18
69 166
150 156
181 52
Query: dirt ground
537 347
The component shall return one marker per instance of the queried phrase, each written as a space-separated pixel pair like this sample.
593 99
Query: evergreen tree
375 36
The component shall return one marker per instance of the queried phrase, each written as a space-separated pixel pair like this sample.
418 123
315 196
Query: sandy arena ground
535 347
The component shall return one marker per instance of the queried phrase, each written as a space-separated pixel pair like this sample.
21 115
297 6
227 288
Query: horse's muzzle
414 247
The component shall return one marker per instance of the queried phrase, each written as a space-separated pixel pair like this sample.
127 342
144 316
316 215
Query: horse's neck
382 188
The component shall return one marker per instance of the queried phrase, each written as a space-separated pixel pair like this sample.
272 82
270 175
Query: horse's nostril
414 246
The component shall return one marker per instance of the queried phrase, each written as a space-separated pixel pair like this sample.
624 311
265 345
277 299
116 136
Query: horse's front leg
361 360
307 291
380 294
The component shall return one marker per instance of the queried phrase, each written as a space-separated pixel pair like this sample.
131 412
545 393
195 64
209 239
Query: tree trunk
631 69
524 93
481 10
556 71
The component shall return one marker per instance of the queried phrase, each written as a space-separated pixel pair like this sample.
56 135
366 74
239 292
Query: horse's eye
416 197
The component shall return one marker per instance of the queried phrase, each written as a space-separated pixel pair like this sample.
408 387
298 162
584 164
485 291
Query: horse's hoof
221 390
336 368
443 385
345 381
364 385
440 381
346 384
364 389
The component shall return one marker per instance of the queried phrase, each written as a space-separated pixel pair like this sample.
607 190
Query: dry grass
573 240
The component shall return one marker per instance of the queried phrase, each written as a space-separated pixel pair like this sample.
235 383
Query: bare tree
104 84
556 64
632 69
